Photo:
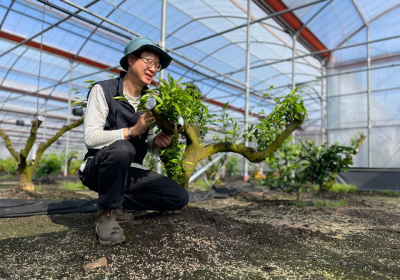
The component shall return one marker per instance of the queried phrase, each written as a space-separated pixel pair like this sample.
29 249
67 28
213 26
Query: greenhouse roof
49 48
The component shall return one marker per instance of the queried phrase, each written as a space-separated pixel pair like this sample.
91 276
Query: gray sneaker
123 217
108 229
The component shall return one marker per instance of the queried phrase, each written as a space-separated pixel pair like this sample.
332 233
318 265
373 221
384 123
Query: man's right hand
142 125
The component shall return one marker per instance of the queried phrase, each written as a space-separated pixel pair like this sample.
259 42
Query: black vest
121 114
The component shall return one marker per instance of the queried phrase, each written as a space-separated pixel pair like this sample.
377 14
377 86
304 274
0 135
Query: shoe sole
109 242
125 222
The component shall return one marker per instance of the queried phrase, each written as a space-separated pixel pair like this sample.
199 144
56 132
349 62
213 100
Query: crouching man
118 136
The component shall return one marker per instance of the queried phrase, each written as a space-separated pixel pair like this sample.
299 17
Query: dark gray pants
109 173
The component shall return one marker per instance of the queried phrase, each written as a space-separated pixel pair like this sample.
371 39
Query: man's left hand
162 140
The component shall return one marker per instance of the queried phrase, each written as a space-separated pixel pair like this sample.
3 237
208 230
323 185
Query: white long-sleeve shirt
95 120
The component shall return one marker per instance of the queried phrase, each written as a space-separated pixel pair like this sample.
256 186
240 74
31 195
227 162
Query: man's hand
143 123
141 126
162 140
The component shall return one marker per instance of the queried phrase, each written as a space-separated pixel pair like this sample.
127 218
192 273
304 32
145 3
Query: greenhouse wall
348 109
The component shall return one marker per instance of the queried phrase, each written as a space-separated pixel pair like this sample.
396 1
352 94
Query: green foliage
176 104
232 166
341 188
74 186
285 167
293 166
150 161
324 162
199 184
268 129
174 166
389 193
9 166
228 127
48 165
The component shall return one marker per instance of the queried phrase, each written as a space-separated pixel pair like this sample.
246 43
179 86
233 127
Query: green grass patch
389 193
74 186
341 188
324 203
199 184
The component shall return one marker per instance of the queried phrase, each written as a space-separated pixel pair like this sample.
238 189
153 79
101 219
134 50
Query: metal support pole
322 105
162 45
45 126
246 113
68 118
294 74
369 98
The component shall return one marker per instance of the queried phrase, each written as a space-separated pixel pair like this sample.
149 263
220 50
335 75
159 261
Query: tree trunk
25 180
298 195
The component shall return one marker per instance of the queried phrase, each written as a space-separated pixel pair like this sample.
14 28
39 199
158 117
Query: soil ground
249 236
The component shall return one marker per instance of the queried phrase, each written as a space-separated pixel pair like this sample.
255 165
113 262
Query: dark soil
249 236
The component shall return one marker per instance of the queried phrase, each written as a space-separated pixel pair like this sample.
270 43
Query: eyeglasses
150 63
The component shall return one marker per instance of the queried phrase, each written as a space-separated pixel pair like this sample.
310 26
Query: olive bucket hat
140 43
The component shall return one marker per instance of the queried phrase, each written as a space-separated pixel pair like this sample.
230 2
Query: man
118 136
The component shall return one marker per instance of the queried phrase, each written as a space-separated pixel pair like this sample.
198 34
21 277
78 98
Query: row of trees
50 164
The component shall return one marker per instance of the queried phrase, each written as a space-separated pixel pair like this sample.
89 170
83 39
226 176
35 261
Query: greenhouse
340 54
243 60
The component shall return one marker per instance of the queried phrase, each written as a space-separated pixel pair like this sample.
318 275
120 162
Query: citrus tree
8 166
292 166
48 165
180 111
27 168
286 169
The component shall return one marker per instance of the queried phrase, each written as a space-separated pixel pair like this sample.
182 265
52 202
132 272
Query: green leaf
120 98
177 109
158 99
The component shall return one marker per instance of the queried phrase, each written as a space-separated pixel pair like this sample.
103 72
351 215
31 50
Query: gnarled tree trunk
25 169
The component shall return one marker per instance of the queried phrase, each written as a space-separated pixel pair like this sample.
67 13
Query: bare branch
9 145
250 153
44 145
358 144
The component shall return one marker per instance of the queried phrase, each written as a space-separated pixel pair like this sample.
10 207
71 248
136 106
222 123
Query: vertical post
162 45
246 114
68 119
294 74
369 98
322 104
45 115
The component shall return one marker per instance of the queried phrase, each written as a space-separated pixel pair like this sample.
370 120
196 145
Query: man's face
140 67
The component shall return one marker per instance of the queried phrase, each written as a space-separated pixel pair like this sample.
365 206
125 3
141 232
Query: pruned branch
250 153
32 137
358 144
9 145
